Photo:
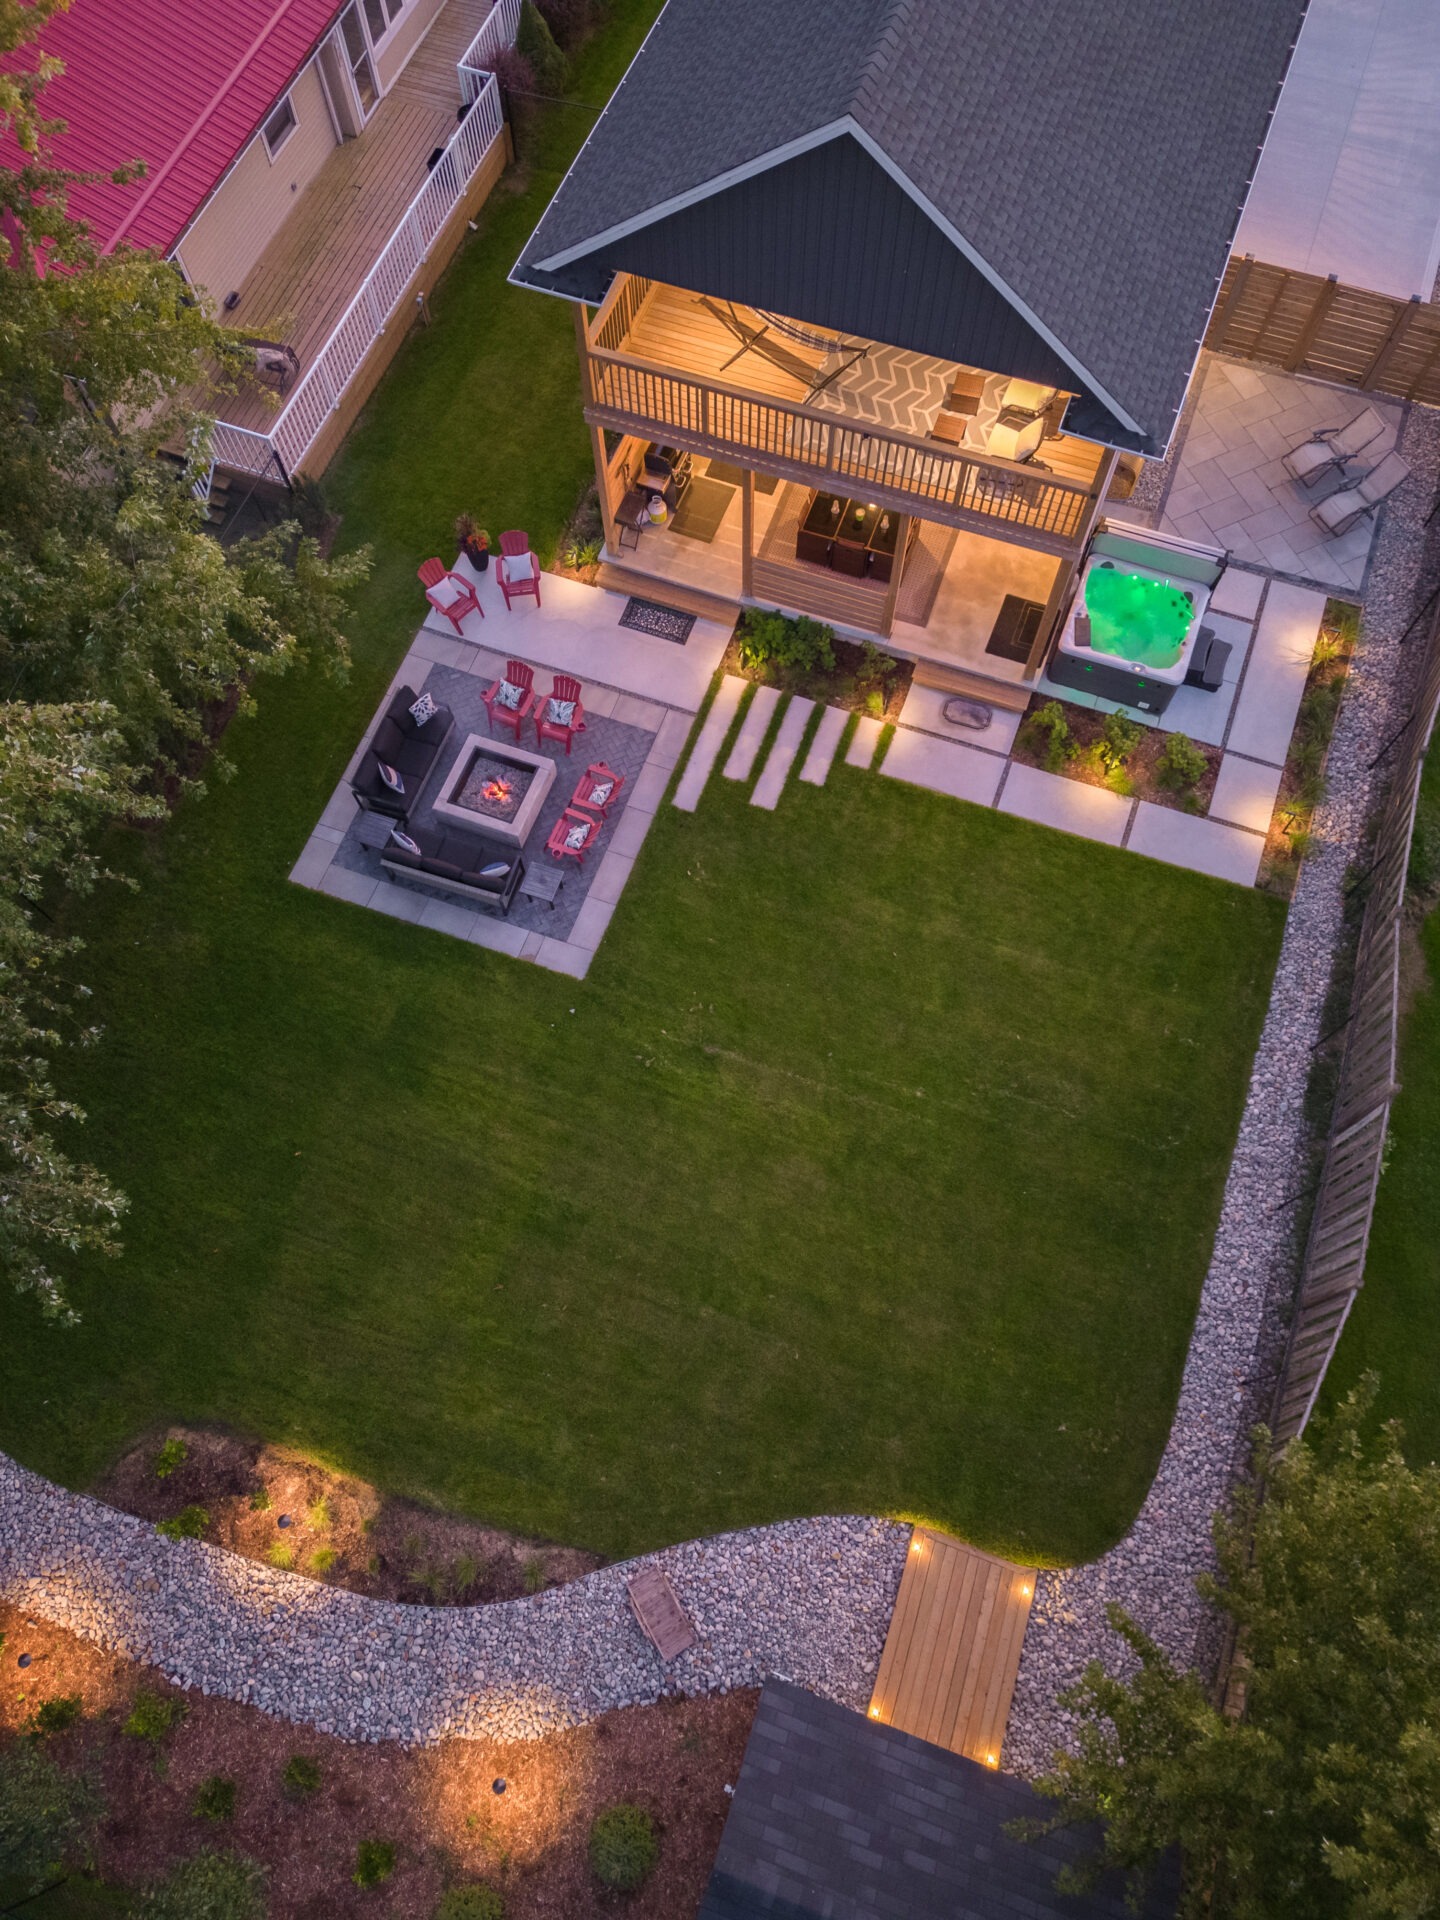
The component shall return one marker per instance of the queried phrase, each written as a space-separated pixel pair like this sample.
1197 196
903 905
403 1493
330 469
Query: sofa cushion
389 739
391 776
494 871
415 760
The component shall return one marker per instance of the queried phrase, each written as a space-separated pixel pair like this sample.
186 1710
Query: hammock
753 340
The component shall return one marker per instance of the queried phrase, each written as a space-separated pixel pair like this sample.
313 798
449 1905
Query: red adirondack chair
517 674
595 779
572 835
547 727
449 593
517 569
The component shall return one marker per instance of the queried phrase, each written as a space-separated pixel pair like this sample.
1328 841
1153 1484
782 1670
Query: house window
380 17
279 127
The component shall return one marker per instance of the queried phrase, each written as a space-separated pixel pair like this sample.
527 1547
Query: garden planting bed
339 1530
843 685
1302 784
435 1806
1137 774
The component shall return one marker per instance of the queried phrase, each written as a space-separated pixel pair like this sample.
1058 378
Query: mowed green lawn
874 1167
1394 1326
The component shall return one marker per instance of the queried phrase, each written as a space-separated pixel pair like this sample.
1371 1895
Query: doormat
661 623
735 476
1015 628
705 505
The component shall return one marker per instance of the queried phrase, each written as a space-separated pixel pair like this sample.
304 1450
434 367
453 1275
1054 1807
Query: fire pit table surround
495 789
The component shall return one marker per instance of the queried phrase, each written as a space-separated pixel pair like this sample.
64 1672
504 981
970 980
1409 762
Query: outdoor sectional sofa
411 750
455 862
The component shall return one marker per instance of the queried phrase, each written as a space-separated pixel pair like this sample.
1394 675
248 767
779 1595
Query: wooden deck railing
799 443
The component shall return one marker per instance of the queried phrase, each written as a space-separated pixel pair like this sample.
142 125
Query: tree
1323 1797
46 1816
124 627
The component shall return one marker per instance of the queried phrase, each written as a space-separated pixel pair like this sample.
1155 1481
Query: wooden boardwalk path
948 1670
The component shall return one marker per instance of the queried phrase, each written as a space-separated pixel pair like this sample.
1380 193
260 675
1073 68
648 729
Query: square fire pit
495 789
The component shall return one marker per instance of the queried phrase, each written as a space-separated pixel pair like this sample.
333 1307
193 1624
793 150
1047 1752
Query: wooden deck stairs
1012 695
948 1670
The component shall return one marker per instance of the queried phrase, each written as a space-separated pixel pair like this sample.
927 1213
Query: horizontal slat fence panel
1334 1265
1298 321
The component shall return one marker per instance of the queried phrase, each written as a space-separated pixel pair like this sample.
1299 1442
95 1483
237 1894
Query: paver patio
1230 488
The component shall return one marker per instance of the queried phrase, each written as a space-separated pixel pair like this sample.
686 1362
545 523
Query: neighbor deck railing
278 453
1334 1265
800 443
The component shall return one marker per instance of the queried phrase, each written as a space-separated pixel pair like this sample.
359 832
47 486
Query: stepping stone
861 750
944 766
753 728
822 747
1245 793
782 755
707 748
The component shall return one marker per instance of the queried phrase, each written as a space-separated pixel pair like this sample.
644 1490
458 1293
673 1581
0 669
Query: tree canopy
125 627
1323 1797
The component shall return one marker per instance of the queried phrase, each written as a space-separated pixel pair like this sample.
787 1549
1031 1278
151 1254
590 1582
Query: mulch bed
1141 767
835 689
389 1549
435 1805
1290 823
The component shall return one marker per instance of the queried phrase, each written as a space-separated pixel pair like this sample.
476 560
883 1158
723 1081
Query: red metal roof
180 84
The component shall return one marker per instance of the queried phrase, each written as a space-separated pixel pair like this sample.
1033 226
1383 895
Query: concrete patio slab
750 738
357 888
925 708
1245 793
563 956
1275 677
1052 801
649 790
822 748
944 766
863 742
448 916
314 863
781 757
499 936
398 902
1205 846
590 923
707 747
670 741
610 877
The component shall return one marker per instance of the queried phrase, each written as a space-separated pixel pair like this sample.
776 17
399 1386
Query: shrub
475 1902
54 1716
514 73
189 1524
215 1798
374 1862
46 1815
301 1777
281 1555
323 1559
319 1516
876 670
875 704
770 638
1120 736
152 1715
208 1886
566 19
260 1501
1047 732
584 553
535 43
1182 764
171 1455
623 1847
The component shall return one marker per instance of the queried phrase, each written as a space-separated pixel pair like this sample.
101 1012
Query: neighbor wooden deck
948 1670
312 269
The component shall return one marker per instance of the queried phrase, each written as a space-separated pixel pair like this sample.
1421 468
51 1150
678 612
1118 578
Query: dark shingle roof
1093 154
835 1815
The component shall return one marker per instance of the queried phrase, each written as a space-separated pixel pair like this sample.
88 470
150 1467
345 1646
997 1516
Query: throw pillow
509 695
391 777
519 566
601 792
446 592
403 840
560 713
496 870
577 836
424 710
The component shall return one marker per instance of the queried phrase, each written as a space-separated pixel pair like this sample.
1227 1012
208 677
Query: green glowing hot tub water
1135 618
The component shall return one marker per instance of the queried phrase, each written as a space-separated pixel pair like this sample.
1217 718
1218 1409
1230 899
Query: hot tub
1136 617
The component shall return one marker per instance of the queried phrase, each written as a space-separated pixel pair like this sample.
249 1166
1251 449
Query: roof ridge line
885 44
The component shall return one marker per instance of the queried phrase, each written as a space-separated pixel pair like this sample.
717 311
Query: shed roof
1089 157
835 1814
180 84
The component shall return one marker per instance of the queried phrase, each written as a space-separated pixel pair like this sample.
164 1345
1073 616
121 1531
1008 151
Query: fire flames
497 792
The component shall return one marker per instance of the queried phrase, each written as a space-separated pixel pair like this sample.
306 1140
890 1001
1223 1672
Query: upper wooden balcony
667 364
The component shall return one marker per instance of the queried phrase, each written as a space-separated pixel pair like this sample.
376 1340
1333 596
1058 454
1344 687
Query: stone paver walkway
863 742
828 735
706 750
781 757
751 736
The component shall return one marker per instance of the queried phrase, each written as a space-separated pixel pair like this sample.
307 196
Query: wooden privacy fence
1334 1265
1298 321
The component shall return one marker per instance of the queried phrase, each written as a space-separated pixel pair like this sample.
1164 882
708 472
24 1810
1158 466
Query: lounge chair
511 699
1330 448
561 714
450 594
518 569
1342 510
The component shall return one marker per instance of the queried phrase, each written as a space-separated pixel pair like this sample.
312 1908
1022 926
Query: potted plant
474 541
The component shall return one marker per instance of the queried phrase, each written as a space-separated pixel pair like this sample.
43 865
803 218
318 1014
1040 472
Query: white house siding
252 203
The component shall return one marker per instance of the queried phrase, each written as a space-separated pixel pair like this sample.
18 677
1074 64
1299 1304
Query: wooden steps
1012 695
827 596
668 593
948 1670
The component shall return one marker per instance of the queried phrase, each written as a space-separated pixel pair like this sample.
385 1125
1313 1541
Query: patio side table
375 828
541 883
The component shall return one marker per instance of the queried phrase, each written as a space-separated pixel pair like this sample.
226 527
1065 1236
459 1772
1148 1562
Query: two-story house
904 291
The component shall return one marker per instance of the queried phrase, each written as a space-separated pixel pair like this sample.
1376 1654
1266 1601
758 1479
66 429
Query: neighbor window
279 127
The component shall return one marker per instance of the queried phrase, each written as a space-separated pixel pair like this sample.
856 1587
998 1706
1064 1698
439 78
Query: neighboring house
926 282
309 166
